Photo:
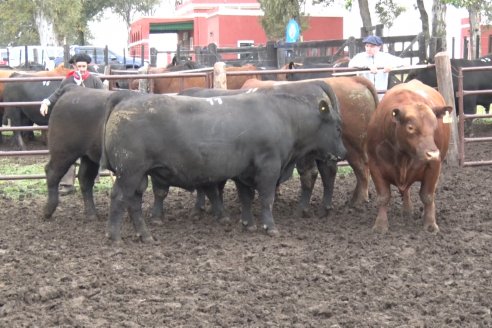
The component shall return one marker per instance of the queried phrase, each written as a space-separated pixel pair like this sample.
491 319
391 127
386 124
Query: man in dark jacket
82 77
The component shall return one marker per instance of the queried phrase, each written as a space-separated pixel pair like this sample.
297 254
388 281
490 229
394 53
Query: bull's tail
114 99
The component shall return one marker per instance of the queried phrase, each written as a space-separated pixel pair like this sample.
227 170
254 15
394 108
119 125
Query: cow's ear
397 115
440 111
324 107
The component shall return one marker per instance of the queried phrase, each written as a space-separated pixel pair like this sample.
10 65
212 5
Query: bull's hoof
197 212
47 217
407 213
304 213
272 231
147 240
249 228
325 212
114 240
92 217
378 228
224 220
156 221
431 228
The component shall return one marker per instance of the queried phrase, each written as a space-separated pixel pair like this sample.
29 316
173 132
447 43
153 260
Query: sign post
292 31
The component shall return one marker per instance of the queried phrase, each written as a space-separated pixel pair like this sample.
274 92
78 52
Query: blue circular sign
292 31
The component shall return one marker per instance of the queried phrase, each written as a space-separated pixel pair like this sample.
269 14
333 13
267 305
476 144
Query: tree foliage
277 14
17 25
477 9
388 11
129 9
20 19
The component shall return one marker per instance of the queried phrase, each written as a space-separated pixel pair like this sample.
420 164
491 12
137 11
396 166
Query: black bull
191 142
75 131
27 91
306 166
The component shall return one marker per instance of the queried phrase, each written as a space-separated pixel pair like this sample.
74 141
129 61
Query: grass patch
19 189
481 111
28 188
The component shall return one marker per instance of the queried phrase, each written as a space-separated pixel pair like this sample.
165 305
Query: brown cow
358 100
178 84
407 140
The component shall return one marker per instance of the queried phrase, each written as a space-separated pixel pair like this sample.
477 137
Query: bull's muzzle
433 155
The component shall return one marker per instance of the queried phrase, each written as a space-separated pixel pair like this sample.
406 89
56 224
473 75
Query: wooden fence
277 54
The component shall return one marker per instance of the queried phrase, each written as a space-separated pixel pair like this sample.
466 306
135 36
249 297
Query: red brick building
227 23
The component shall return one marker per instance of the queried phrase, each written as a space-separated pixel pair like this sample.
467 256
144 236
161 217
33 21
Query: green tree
129 9
386 10
17 25
277 14
29 22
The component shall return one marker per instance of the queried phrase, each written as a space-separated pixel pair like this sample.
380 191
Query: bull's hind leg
328 172
160 192
124 196
384 195
135 212
56 168
214 195
361 172
266 183
246 195
88 171
308 174
19 141
199 207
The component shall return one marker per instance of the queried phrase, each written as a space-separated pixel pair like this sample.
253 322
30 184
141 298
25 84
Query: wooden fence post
445 86
108 84
220 77
143 84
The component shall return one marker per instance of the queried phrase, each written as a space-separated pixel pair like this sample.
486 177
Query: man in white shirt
378 62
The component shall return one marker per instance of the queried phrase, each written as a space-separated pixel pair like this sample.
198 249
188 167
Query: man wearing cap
79 76
379 63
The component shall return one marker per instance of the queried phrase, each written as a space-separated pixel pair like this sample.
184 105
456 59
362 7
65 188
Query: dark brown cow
407 140
358 100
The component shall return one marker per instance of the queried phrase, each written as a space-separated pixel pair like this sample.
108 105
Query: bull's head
415 128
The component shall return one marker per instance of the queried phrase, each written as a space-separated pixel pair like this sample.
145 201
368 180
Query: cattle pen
322 271
206 75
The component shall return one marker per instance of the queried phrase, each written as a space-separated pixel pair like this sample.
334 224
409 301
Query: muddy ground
320 272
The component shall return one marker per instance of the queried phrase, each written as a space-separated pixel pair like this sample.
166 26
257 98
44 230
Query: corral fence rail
45 152
460 94
206 74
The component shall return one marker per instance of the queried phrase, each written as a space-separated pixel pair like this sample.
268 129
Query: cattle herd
254 135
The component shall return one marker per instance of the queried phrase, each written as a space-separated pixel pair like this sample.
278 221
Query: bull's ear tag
447 118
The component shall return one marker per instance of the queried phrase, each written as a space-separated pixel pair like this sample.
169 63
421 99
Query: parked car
40 56
4 57
97 54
